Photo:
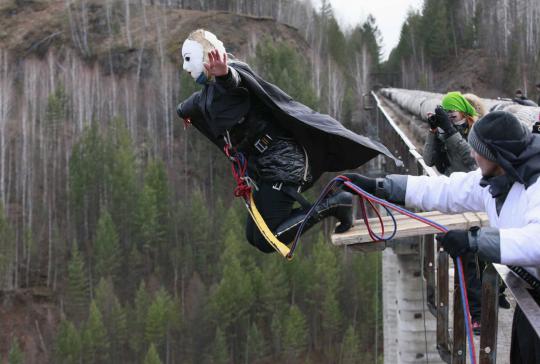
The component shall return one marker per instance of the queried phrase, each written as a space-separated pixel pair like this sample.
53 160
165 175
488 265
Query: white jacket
518 221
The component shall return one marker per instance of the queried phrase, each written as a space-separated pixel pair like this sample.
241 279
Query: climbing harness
244 188
366 197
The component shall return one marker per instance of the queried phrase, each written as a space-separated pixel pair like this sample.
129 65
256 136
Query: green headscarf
456 101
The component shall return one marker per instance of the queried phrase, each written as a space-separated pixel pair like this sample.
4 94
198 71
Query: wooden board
407 227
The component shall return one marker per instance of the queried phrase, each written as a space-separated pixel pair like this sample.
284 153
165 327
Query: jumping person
288 146
506 187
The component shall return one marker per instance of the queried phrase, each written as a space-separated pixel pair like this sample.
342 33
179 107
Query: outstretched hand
366 183
217 65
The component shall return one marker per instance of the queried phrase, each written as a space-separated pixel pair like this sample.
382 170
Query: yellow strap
265 231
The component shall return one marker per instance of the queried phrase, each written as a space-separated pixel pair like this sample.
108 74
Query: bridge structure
423 319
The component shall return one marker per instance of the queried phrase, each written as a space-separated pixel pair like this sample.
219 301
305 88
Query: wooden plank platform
408 227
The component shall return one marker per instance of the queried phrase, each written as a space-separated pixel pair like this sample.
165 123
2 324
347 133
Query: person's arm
510 246
460 192
430 149
189 108
459 153
230 80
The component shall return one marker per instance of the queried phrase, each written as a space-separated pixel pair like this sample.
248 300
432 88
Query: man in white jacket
505 187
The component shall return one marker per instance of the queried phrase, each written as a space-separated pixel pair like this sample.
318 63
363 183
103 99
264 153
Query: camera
536 128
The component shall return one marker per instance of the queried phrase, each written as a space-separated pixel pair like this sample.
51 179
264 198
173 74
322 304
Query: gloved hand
455 242
432 121
366 183
444 122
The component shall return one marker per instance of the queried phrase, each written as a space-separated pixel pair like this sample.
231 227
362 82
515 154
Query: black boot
338 205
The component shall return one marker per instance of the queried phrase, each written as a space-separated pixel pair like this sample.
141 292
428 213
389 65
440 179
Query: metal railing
451 339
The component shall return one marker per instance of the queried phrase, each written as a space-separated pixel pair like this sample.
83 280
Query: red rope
239 168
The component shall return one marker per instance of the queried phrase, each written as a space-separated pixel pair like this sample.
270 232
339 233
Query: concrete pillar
406 333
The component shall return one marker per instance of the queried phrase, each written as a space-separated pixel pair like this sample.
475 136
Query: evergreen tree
234 295
337 48
147 218
255 344
373 38
15 355
77 288
323 288
139 318
68 344
435 30
159 317
114 317
220 351
152 356
94 338
276 328
274 289
106 247
88 179
331 321
123 200
198 233
282 65
156 179
350 350
136 269
295 333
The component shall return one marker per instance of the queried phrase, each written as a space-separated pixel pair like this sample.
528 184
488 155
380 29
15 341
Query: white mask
193 57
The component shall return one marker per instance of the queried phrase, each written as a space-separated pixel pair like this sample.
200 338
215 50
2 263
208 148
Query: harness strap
244 188
265 231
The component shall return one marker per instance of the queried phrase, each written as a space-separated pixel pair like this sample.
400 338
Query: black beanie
499 132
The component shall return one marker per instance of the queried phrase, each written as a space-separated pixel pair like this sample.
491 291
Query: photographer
446 146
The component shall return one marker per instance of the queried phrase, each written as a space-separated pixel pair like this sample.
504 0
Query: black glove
366 183
444 122
455 242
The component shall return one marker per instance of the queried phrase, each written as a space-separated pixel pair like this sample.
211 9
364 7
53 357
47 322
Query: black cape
330 146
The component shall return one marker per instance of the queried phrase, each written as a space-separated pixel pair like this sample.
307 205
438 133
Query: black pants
525 345
275 207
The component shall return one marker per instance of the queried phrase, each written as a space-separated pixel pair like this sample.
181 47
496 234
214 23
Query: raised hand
444 122
217 65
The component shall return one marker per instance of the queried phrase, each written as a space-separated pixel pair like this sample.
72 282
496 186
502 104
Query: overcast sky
389 14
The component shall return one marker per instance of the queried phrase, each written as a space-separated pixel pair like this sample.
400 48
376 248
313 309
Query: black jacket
329 145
